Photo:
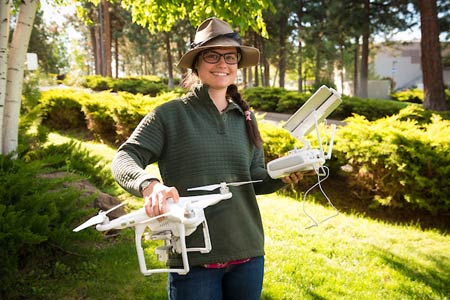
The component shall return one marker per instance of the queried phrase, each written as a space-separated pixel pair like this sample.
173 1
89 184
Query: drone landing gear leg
206 238
139 231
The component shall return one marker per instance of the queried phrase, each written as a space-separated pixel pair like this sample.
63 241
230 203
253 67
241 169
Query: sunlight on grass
95 148
349 257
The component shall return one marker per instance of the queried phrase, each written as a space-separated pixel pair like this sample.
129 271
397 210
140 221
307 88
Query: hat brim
250 55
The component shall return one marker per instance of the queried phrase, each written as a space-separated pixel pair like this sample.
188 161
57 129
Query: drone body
181 219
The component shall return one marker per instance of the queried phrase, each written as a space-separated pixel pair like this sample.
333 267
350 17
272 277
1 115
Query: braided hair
252 128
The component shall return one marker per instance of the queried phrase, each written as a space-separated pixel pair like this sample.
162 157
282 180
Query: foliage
412 95
139 85
30 91
97 82
61 109
262 98
162 15
50 47
291 101
108 117
36 216
277 141
372 109
399 159
146 85
284 101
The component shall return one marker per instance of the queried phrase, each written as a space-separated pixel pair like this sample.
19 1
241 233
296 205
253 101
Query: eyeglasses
213 57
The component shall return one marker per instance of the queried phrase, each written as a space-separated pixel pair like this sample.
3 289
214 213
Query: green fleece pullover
195 145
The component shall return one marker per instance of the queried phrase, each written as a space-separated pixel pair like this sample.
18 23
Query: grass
347 257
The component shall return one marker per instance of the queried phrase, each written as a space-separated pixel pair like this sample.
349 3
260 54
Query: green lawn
347 257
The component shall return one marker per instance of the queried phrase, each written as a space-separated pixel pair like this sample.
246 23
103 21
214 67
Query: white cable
326 173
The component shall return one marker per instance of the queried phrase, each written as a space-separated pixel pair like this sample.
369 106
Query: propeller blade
92 221
242 182
114 208
212 187
97 219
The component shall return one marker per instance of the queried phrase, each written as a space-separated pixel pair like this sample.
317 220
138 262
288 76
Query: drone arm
129 220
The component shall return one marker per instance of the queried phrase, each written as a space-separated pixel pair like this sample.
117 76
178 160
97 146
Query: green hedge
37 215
108 117
399 159
145 85
283 101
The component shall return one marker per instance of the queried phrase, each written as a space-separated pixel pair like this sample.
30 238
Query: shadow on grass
436 277
344 199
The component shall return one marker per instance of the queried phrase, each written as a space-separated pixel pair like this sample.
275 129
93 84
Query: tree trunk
169 59
282 53
434 95
106 40
299 13
318 66
342 69
5 11
300 66
249 77
116 56
356 69
363 84
16 61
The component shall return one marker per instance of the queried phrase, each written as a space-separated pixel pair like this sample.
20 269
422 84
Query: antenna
319 106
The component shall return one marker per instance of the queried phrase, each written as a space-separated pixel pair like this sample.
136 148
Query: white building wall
402 64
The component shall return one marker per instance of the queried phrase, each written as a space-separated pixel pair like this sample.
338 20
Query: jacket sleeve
259 172
141 149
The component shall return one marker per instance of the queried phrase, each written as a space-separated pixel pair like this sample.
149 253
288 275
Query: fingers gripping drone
181 219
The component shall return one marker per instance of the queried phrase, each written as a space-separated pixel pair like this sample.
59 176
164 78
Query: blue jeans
235 282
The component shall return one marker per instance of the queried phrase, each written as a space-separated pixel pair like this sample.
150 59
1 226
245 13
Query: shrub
277 141
372 109
30 92
291 101
139 85
146 85
284 101
97 83
61 109
412 95
97 110
399 160
264 99
34 219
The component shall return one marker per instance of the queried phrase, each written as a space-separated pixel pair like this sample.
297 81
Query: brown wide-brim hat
215 33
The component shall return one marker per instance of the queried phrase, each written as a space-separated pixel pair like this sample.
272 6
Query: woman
207 137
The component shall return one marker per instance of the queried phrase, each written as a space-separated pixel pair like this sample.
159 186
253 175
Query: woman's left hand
295 177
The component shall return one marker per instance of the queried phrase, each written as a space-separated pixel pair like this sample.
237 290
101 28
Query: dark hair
252 128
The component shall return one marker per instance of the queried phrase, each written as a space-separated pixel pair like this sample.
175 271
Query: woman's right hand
155 198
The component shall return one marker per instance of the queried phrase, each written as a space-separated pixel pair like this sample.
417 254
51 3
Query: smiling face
217 75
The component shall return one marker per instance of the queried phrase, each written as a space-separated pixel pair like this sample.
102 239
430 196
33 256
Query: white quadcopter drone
319 106
180 220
